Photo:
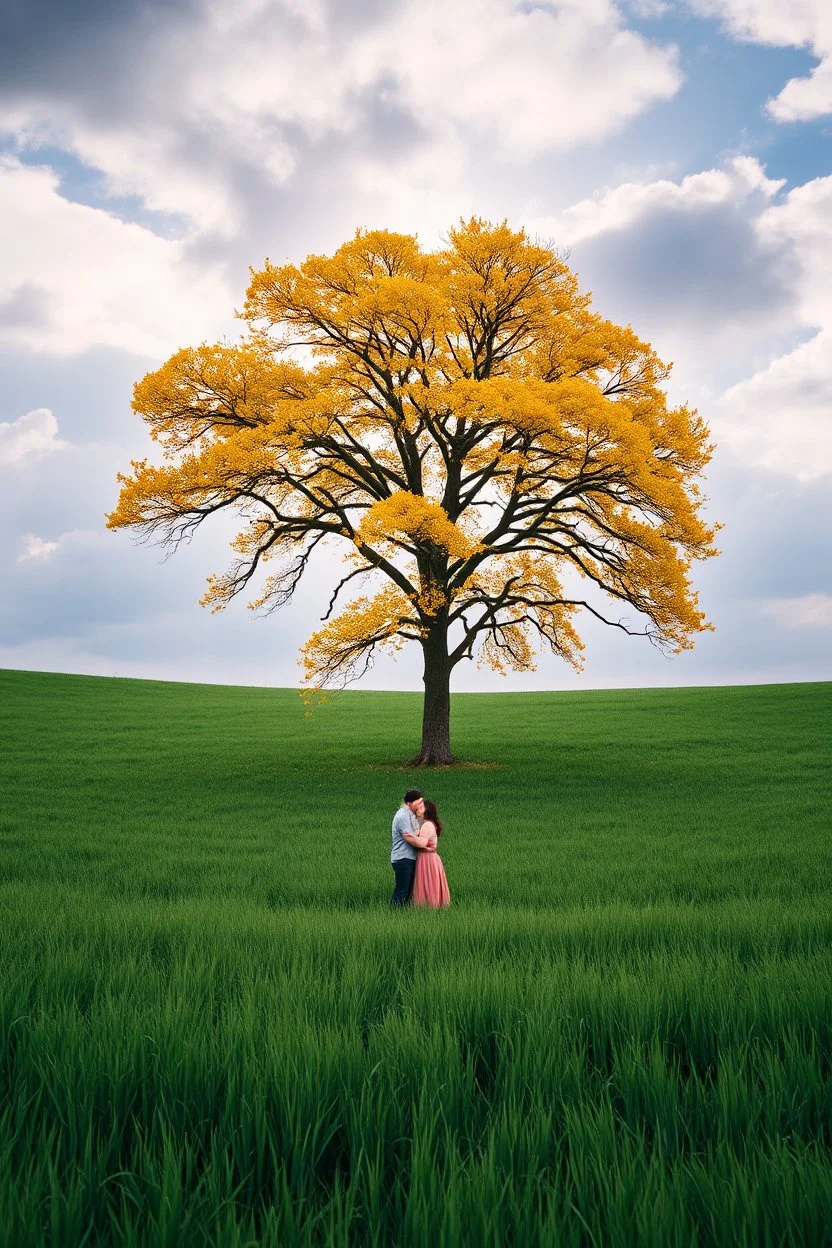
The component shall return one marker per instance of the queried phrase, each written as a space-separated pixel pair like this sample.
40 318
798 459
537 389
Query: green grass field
213 1030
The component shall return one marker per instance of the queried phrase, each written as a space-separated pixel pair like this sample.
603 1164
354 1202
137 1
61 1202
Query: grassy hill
212 1029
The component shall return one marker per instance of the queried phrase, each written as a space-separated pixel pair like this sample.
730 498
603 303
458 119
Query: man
403 854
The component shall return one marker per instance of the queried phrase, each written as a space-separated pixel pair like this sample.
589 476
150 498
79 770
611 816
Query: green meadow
214 1031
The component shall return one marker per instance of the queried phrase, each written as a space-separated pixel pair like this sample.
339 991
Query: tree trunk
436 717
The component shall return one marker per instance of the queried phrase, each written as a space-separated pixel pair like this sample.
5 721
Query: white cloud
781 417
243 87
785 23
683 262
808 611
73 277
80 543
531 78
235 100
803 99
36 548
624 206
30 436
800 225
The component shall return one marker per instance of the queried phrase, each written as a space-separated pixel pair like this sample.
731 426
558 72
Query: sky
679 152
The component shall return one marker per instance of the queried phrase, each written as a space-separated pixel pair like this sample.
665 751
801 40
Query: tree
477 437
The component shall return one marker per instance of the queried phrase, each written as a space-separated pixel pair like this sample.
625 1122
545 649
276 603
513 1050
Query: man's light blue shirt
404 820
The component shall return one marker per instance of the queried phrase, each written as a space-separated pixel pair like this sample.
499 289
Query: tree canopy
478 440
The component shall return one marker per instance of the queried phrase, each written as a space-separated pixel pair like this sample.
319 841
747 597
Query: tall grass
212 1029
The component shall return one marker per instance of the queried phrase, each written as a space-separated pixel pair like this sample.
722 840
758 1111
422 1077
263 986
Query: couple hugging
420 876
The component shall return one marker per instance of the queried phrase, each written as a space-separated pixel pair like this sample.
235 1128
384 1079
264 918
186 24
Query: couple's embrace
417 867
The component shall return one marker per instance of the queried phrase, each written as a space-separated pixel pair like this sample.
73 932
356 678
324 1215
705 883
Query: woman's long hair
433 814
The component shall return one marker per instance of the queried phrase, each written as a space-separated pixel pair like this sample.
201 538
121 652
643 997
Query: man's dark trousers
404 870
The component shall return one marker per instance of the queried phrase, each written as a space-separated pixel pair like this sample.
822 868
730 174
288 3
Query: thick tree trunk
436 717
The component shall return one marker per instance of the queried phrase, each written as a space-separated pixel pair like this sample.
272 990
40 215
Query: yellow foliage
215 390
463 423
535 606
332 655
414 516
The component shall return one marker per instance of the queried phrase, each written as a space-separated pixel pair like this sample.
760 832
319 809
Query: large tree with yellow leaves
476 439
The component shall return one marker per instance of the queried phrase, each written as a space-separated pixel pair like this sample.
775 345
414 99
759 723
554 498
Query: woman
430 885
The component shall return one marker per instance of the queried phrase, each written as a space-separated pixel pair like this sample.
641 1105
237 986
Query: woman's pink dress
430 885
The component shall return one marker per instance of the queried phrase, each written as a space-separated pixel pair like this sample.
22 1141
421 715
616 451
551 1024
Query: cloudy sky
149 153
